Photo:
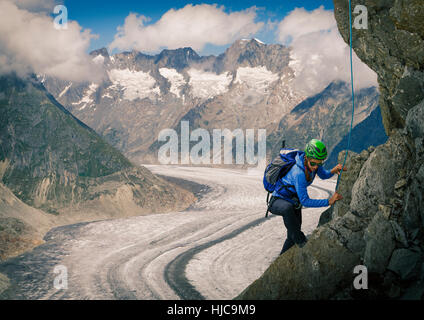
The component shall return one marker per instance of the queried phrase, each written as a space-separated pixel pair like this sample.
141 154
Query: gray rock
364 154
399 234
415 120
401 183
412 216
380 244
354 163
393 46
405 263
350 230
378 175
385 210
420 174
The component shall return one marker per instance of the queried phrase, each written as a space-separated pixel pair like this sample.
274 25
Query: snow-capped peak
257 40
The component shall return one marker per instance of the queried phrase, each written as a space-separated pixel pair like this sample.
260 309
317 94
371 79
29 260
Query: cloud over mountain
319 53
192 26
29 43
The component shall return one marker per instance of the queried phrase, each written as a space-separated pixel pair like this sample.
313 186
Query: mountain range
249 86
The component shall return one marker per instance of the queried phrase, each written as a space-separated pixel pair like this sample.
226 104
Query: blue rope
353 93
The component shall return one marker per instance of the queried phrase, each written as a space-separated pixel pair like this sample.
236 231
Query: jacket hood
300 160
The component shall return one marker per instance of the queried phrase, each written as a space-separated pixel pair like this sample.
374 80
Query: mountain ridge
249 86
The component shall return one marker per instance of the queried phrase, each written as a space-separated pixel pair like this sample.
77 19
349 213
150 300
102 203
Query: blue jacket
297 179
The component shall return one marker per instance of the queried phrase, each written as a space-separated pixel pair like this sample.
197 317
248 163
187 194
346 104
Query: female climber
291 194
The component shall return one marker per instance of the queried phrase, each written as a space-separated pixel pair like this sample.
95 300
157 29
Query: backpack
277 169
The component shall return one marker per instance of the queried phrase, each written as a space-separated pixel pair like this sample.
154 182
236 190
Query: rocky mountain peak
102 51
255 53
177 58
100 55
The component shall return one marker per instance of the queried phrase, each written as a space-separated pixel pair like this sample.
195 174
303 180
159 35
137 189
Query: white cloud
191 26
319 53
29 43
36 5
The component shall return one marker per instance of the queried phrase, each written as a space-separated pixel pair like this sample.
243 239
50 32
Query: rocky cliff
380 222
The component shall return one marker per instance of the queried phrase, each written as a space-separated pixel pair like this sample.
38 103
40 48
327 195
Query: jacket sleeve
301 189
324 174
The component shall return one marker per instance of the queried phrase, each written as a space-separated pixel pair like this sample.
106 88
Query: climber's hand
336 196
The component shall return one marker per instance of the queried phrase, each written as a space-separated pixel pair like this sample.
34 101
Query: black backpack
277 169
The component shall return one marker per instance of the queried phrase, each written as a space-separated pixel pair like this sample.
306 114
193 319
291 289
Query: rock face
21 226
393 46
380 222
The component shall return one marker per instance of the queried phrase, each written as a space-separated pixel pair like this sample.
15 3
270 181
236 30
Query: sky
34 40
104 17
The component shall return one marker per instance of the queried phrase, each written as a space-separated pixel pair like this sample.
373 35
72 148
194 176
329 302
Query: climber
290 193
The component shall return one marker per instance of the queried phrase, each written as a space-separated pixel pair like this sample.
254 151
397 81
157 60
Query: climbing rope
353 94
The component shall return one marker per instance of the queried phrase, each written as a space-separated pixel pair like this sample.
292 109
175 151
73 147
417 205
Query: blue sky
103 17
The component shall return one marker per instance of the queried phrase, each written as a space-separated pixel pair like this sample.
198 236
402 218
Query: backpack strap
268 203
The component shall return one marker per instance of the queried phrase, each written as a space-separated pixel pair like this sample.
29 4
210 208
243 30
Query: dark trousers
292 220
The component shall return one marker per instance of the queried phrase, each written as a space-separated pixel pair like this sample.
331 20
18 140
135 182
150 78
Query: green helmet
316 149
